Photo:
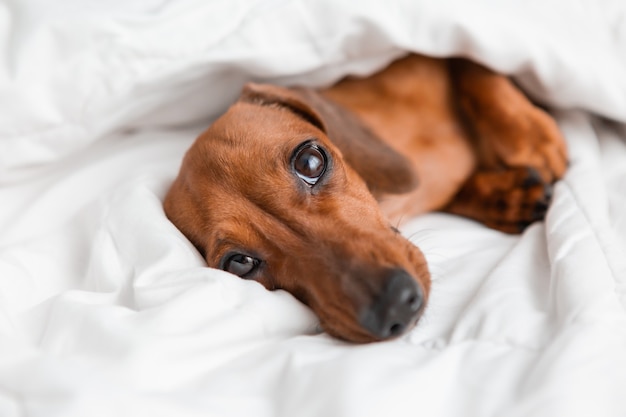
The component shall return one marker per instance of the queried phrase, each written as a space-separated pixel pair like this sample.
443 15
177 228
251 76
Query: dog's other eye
240 265
309 163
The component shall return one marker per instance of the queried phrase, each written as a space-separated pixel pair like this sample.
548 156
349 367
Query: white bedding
107 310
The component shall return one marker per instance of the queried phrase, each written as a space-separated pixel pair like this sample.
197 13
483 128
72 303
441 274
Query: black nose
395 308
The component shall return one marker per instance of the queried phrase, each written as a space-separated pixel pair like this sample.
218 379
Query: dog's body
299 189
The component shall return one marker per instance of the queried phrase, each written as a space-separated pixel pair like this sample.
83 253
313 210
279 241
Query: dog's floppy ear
383 169
268 95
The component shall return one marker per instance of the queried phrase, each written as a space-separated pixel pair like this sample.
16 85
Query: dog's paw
533 139
507 200
510 130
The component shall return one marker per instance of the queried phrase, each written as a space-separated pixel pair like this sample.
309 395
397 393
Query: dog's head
280 189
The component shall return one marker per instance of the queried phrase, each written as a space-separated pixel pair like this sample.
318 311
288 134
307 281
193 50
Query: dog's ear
383 169
271 95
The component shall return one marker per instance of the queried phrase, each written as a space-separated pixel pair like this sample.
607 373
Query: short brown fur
423 134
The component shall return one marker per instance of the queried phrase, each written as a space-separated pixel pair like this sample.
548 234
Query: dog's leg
519 149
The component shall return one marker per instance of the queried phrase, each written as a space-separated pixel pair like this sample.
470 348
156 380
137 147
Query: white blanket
107 310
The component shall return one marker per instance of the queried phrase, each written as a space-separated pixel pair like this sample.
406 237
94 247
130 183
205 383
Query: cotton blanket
107 310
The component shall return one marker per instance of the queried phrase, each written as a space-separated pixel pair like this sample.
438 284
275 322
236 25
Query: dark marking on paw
533 179
548 191
501 204
522 225
541 206
540 210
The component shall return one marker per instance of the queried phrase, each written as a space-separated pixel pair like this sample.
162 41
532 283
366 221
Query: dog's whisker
421 236
399 221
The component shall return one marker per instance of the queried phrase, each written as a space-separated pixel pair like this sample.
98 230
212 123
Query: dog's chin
351 334
360 336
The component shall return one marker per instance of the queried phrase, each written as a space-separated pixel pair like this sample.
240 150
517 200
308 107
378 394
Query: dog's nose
395 308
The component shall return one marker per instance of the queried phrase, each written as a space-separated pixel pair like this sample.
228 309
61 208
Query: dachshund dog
300 189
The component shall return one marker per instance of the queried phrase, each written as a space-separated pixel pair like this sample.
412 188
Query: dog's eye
310 163
241 265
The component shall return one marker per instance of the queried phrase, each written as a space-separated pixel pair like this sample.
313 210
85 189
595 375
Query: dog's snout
395 308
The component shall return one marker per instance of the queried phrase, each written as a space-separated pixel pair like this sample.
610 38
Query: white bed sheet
106 309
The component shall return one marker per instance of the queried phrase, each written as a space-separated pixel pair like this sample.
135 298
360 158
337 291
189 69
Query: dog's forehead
250 147
246 124
250 142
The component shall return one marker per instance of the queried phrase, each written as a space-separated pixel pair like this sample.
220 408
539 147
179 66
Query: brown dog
298 189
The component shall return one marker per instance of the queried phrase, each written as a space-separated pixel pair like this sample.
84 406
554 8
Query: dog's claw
533 179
